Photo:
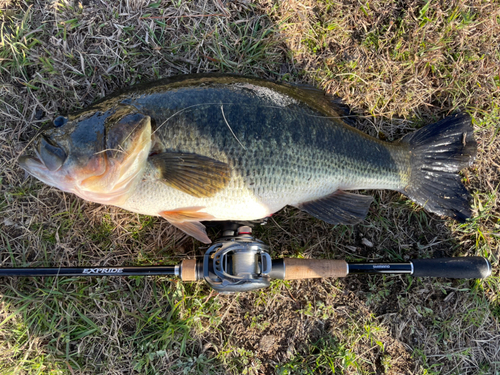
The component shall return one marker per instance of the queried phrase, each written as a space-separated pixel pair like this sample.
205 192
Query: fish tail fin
438 152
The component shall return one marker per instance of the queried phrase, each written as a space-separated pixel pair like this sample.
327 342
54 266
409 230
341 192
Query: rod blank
90 271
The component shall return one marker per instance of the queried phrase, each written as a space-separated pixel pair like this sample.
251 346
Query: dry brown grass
395 58
397 64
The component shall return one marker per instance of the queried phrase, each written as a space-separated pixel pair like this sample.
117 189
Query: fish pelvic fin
193 174
339 208
188 220
437 153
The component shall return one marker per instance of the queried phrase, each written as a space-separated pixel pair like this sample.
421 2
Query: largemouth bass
211 147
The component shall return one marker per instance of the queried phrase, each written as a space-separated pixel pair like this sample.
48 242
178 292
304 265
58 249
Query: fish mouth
30 162
49 156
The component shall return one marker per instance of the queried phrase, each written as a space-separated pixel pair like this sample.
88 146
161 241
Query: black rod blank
90 271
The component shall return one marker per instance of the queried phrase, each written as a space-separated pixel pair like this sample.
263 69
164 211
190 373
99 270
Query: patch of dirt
294 323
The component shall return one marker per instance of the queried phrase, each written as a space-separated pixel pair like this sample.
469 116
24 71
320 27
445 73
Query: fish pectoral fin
188 220
339 207
193 174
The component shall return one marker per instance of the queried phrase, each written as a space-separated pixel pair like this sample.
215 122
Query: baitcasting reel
237 263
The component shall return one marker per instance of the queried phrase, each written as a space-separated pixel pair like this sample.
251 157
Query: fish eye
60 121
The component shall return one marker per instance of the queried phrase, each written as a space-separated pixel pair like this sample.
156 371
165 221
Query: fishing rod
237 262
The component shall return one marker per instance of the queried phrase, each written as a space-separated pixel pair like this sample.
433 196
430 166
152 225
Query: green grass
331 354
399 66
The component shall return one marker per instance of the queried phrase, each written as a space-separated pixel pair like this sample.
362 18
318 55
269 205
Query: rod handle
296 269
455 268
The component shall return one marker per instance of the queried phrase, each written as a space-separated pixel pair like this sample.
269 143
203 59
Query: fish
197 148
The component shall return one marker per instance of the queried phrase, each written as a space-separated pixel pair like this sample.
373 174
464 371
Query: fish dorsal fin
310 89
188 219
343 109
317 98
339 207
193 174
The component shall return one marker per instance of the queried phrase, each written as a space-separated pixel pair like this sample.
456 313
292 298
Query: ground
398 65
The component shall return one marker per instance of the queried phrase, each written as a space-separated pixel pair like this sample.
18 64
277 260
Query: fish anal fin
188 220
339 208
194 229
186 214
193 174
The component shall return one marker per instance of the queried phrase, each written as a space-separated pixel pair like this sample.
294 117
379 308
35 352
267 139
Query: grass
398 65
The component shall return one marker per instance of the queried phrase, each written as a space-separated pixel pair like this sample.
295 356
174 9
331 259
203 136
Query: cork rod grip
296 269
188 270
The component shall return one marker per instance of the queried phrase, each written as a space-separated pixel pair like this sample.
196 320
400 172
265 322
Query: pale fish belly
239 201
235 202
